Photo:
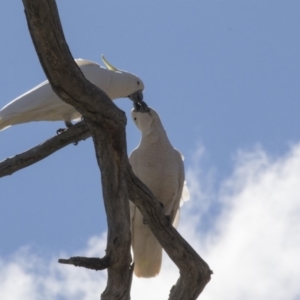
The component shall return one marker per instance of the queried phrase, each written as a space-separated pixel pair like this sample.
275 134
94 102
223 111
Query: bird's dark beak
138 103
136 96
141 107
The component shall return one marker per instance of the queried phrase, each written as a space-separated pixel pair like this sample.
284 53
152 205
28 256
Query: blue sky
223 75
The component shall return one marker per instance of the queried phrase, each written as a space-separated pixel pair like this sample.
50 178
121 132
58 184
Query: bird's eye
135 119
138 83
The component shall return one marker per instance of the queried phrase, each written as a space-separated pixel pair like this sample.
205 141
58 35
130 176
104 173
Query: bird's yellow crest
108 65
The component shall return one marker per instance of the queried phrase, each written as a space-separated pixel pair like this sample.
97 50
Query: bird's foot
60 130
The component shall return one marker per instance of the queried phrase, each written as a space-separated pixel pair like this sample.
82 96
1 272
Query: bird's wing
184 197
40 103
39 97
182 194
96 74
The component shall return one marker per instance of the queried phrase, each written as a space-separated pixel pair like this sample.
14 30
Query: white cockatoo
42 104
160 166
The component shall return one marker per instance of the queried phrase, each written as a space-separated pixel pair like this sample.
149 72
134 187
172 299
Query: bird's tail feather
148 265
147 252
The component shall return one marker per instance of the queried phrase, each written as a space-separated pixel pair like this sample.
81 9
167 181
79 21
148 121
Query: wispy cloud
248 230
254 244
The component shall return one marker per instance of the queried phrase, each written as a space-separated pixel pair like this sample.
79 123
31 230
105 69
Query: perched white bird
42 104
159 165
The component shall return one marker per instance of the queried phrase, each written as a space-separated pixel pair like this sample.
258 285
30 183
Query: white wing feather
42 104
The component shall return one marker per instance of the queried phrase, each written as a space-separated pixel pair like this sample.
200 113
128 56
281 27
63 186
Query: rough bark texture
106 124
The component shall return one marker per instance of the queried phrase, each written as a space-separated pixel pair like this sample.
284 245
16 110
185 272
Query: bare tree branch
74 134
93 263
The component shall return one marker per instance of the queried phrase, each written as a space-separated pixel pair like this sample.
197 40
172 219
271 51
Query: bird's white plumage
159 165
42 104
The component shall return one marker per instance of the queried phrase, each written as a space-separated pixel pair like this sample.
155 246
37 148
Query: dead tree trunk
107 126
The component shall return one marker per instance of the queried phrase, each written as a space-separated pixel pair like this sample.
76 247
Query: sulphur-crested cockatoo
42 104
159 165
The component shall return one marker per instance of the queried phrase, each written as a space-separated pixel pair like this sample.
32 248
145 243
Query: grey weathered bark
107 127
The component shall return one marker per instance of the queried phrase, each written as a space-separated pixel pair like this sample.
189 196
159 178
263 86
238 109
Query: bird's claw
60 130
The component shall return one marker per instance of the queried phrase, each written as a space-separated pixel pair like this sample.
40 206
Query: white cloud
26 276
255 245
252 244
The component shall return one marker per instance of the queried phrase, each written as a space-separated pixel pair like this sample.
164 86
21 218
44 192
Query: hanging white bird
42 104
159 165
